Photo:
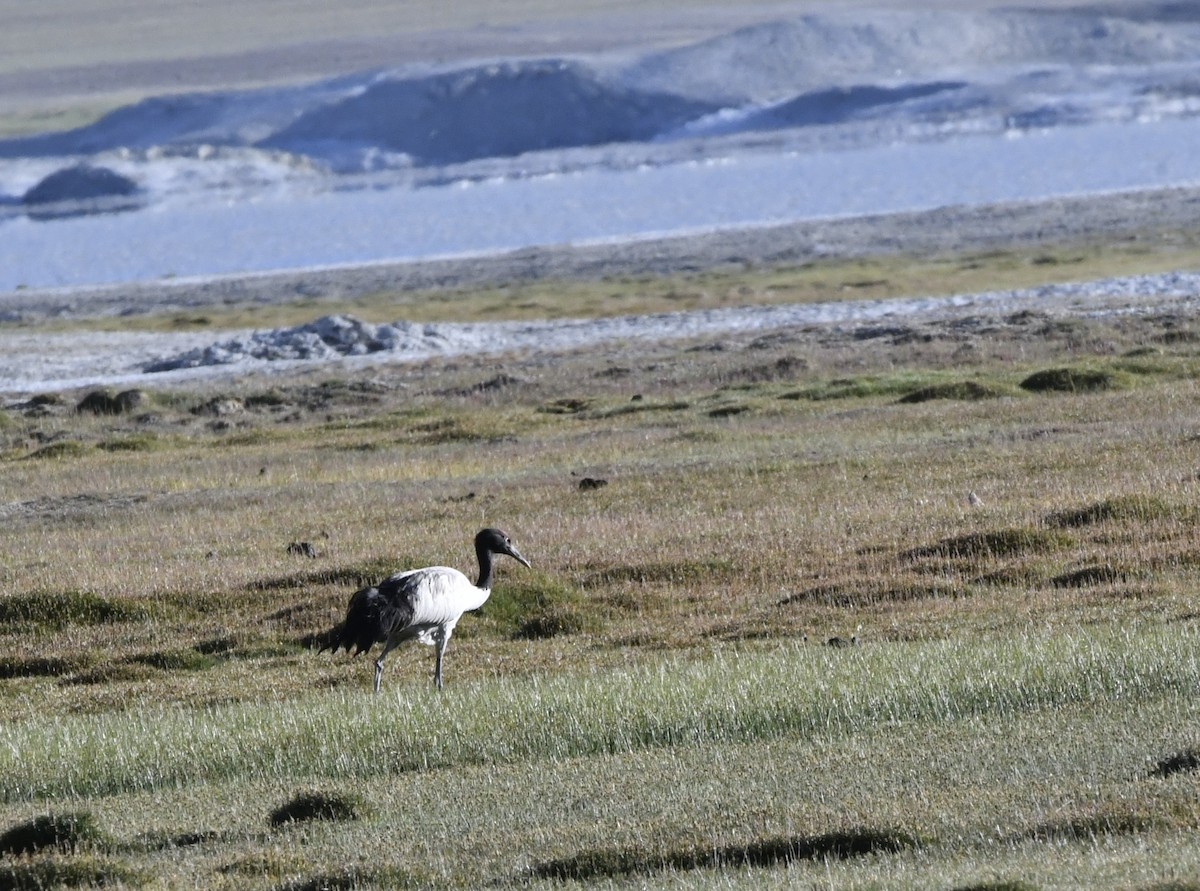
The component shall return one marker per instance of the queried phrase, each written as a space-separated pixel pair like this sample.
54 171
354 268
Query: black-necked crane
419 604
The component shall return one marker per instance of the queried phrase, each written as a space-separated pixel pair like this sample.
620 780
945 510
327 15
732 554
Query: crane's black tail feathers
363 627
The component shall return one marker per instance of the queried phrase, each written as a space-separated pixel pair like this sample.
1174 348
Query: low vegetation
997 517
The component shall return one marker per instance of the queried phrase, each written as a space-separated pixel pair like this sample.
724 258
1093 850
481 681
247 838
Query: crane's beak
516 555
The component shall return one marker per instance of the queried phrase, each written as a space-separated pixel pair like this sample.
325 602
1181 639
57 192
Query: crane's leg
387 646
442 640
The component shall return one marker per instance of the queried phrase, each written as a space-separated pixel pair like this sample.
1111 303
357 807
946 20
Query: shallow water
300 227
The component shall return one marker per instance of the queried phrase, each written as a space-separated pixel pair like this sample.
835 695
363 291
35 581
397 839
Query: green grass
736 698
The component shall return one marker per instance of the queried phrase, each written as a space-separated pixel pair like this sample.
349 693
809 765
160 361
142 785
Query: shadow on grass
1000 543
63 832
852 594
1180 762
615 862
308 806
350 878
58 609
39 666
165 841
1091 826
1140 508
1090 576
85 871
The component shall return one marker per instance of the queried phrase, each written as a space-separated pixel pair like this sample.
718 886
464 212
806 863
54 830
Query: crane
421 604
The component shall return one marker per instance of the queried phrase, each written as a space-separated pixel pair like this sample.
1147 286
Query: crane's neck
485 568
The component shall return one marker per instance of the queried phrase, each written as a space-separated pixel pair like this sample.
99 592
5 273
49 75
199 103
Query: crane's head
496 542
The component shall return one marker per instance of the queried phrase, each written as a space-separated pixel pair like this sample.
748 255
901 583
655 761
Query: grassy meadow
997 516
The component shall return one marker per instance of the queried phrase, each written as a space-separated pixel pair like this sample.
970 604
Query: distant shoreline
949 230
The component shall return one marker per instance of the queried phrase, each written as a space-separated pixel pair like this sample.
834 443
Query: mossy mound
1069 380
964 391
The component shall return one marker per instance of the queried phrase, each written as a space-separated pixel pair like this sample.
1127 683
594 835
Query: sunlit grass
733 697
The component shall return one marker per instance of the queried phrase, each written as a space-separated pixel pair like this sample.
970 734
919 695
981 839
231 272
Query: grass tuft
317 805
998 885
175 660
356 575
640 406
63 832
766 852
551 622
1092 826
855 594
566 406
678 572
67 448
109 673
166 841
105 402
145 442
865 387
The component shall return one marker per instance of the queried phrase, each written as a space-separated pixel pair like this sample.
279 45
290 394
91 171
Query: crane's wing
373 614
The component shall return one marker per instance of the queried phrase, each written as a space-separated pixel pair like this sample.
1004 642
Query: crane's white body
439 595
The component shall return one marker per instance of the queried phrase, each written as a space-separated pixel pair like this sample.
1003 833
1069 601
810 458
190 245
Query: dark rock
103 402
